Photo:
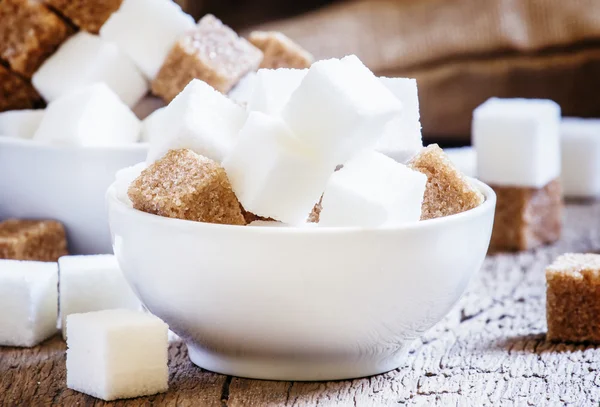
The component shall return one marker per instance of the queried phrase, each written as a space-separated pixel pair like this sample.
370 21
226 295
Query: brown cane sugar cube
573 298
36 240
280 51
88 15
16 93
211 52
448 191
526 217
186 185
29 33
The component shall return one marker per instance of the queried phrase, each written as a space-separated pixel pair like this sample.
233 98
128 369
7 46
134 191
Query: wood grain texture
490 350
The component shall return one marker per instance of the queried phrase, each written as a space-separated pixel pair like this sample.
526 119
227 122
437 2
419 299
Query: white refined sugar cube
464 158
200 119
273 88
123 179
152 125
273 174
91 116
580 150
402 136
146 30
28 298
517 142
373 190
117 354
340 108
242 92
85 59
20 123
92 283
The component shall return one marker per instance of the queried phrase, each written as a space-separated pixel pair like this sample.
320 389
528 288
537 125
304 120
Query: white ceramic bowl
63 183
299 304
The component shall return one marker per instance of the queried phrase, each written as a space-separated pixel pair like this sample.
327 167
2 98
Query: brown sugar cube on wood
186 185
573 298
16 93
448 191
211 52
526 217
29 33
88 15
280 51
36 240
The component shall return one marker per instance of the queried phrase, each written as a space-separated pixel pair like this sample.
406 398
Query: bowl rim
488 205
36 145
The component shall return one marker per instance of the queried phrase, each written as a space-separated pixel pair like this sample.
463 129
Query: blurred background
461 51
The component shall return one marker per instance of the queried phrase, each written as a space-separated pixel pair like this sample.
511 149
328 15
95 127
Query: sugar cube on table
401 138
85 59
448 191
464 158
340 108
39 240
117 354
211 52
372 190
185 185
16 92
573 298
146 30
90 116
29 33
280 51
580 151
87 15
273 174
20 123
92 283
273 88
29 299
200 119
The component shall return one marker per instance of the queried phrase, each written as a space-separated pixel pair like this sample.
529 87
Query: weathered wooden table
490 350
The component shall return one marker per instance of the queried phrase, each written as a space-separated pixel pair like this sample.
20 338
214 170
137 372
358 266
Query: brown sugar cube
88 15
186 185
280 51
29 33
37 240
573 298
211 52
526 217
16 93
448 191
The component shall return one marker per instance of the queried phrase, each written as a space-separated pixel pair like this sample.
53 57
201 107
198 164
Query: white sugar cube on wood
273 174
340 108
146 30
85 59
117 354
199 119
20 123
92 283
273 88
580 148
28 297
91 116
517 142
373 190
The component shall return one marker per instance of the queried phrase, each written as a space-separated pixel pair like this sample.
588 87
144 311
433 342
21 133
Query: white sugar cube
91 116
28 298
580 157
273 174
85 59
200 119
273 88
517 142
373 190
123 179
146 30
340 108
117 354
92 283
465 159
402 136
152 125
242 92
20 123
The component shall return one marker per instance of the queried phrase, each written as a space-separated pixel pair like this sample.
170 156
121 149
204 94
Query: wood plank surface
490 350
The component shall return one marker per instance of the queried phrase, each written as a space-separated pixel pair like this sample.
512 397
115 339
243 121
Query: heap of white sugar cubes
580 157
517 142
